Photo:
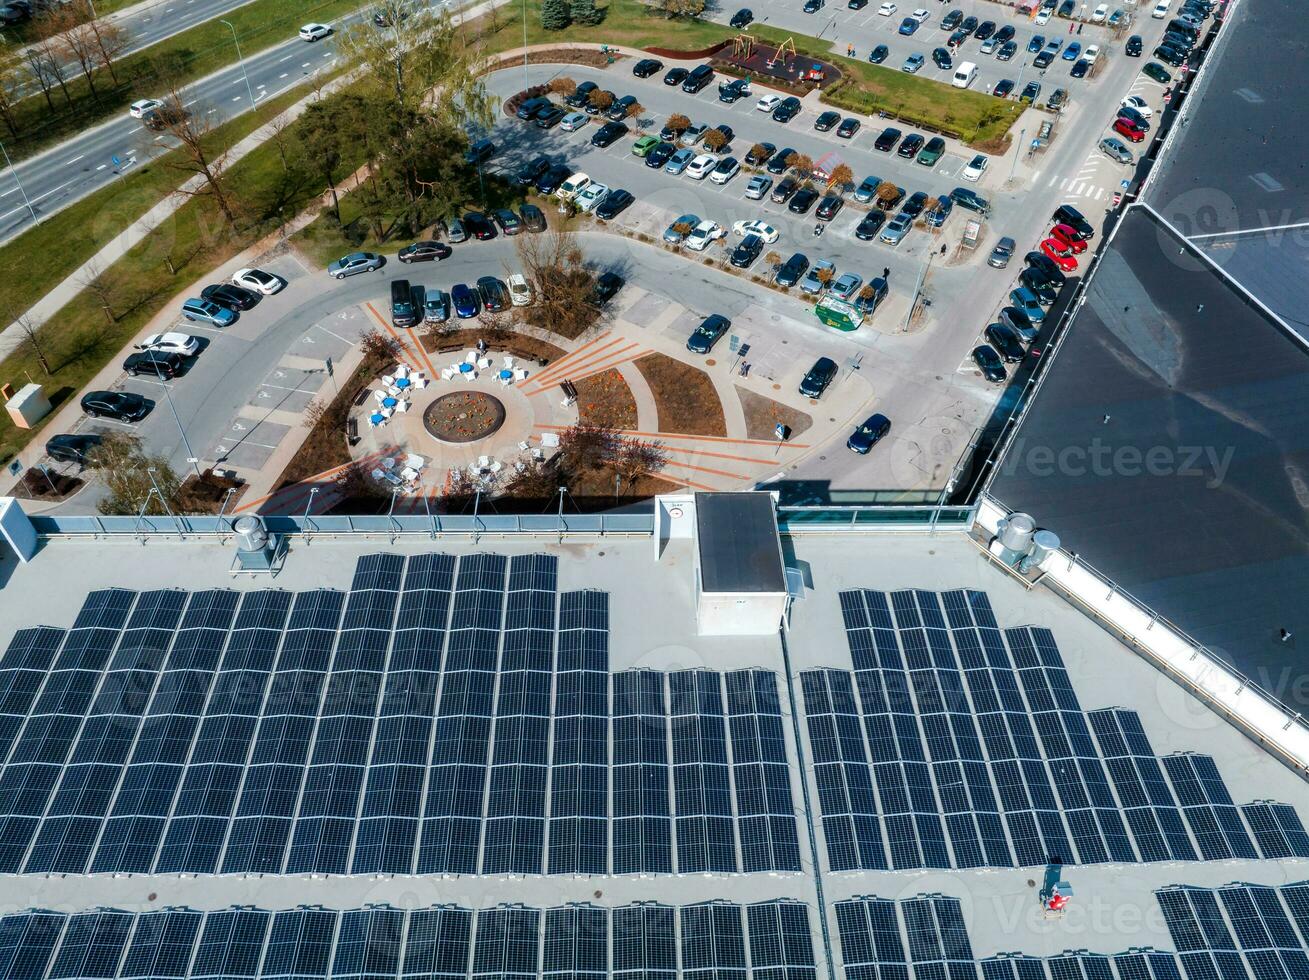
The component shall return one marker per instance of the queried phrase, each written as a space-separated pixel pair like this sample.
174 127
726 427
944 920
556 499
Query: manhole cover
464 416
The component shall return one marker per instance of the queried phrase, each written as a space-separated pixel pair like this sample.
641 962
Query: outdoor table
402 383
506 374
389 403
465 367
377 418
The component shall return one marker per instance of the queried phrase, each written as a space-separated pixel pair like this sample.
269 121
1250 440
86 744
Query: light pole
524 43
1022 142
10 164
918 289
241 61
168 394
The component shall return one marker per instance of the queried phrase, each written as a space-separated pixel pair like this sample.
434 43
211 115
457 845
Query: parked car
803 200
756 227
784 189
550 181
675 76
590 196
480 151
790 271
172 342
465 301
846 286
829 207
849 126
989 363
912 64
606 287
231 297
878 54
870 225
425 251
941 213
258 281
532 217
777 163
1158 72
520 291
154 364
821 273
887 139
742 18
896 229
679 161
1024 299
353 264
659 155
207 311
702 234
647 67
572 122
1001 253
1126 128
866 189
910 146
677 231
976 167
786 109
121 406
759 186
725 170
581 95
551 116
870 297
818 377
609 133
1066 214
709 332
971 200
72 447
1005 342
826 120
759 154
932 152
479 226
615 202
436 306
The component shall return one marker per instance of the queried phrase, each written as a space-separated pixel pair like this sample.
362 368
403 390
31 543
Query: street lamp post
168 395
10 164
241 61
1022 142
918 289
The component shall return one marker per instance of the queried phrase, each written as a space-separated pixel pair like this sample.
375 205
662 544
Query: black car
871 224
646 67
989 362
818 377
230 296
1066 8
879 54
479 153
941 58
984 30
530 172
857 4
606 288
971 200
760 154
777 162
710 331
1134 46
792 270
742 18
549 181
869 434
1066 214
910 146
1006 342
609 133
1046 266
614 203
785 110
849 126
154 363
914 206
532 217
968 25
593 109
727 132
507 221
784 189
549 118
1046 292
747 251
659 155
829 207
826 121
493 293
957 38
71 448
870 297
813 6
1134 117
1019 322
1170 56
1042 60
804 199
479 226
889 203
618 111
581 95
733 91
121 406
424 252
887 139
1059 97
1004 34
951 20
528 108
675 76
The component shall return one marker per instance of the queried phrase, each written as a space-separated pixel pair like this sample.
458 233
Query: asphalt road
79 166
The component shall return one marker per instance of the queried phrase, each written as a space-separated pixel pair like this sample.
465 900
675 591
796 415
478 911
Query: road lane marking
75 159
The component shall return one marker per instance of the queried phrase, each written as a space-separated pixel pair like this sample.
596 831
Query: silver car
674 237
896 229
436 306
679 161
811 283
1115 150
353 264
1002 253
759 185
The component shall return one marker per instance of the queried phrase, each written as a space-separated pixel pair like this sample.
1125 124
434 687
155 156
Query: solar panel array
954 743
647 941
446 716
1240 931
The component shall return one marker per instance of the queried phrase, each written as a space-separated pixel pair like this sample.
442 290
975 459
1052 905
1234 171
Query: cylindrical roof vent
1015 532
251 535
1044 543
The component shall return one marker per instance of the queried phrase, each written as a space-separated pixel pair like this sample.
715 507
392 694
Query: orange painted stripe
675 435
683 482
577 351
609 365
562 369
706 469
422 352
561 366
739 459
410 359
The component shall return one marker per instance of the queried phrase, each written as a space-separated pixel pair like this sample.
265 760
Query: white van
964 74
1160 10
571 187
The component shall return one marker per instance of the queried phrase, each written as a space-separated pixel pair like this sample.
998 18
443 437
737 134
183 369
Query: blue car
908 26
938 215
204 311
1036 43
465 301
1072 51
1026 301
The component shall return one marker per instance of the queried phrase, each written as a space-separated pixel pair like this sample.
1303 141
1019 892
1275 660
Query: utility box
29 406
972 233
740 579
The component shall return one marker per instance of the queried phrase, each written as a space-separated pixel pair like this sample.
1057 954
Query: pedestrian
1079 28
886 272
1284 634
1105 420
943 248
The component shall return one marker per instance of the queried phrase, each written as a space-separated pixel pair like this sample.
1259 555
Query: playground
747 56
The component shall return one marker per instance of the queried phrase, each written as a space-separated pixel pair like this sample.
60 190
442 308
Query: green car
644 145
932 152
1158 72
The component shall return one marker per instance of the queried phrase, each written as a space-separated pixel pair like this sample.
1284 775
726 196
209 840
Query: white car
1139 104
1160 10
976 167
1100 13
315 32
757 227
571 187
727 168
573 121
887 9
921 15
258 281
592 195
705 232
1091 53
1043 15
768 103
181 344
520 293
138 109
698 168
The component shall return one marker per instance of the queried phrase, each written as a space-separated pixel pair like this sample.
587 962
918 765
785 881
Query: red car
1059 254
1066 236
1124 127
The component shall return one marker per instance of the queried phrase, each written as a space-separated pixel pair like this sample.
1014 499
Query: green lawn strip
969 115
192 54
79 340
50 251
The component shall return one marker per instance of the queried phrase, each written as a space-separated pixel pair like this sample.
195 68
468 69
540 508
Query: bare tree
75 40
602 100
130 473
103 288
587 445
636 458
715 140
38 69
110 41
536 480
803 164
48 47
563 85
11 91
561 283
33 341
192 130
677 122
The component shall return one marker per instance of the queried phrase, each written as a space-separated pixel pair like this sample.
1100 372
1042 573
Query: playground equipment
779 56
743 47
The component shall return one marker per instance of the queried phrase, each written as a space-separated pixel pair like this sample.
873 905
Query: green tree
554 15
130 473
678 8
586 13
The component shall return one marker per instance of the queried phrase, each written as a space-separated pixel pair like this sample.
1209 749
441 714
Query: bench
352 431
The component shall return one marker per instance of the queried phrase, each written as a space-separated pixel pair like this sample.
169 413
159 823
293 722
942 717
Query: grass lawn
47 253
627 22
192 54
79 340
687 400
